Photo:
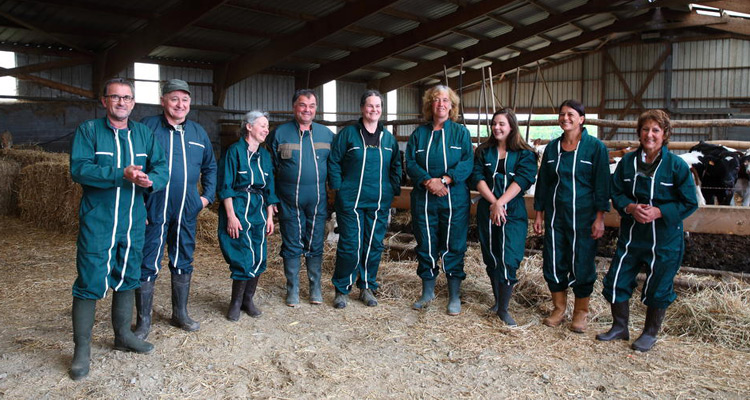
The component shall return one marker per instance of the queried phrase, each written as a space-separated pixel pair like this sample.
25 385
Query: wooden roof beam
639 23
156 32
43 32
251 63
403 41
275 12
486 46
742 6
46 66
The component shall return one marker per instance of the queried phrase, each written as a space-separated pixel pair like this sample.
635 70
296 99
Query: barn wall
708 81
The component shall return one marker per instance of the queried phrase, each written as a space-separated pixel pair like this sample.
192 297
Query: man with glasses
172 213
116 161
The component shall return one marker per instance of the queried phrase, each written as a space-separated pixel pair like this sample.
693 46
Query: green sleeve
675 211
83 167
526 169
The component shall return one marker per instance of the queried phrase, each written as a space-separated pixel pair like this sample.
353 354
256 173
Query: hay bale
48 197
9 172
28 157
720 316
206 229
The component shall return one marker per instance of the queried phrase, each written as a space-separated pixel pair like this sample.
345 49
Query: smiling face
441 106
501 128
118 110
570 120
176 106
372 109
258 130
304 110
651 136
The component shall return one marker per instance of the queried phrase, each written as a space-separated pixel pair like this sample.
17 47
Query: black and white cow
742 187
716 168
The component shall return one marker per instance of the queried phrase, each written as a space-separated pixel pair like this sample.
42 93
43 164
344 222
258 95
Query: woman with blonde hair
439 160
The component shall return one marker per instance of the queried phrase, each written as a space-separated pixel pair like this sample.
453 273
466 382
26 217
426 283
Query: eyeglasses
115 98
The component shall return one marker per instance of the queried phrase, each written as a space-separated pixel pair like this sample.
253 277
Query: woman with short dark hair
364 169
653 190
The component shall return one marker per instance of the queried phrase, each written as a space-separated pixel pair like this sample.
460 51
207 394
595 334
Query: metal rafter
251 63
402 41
428 68
158 31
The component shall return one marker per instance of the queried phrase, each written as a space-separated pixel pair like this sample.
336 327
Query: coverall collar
130 124
378 130
166 124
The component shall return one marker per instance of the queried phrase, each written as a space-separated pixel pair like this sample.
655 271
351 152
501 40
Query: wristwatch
442 179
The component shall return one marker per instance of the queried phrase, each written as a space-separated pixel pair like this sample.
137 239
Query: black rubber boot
83 323
144 300
340 300
496 294
654 318
180 293
314 268
122 316
291 271
235 304
619 329
454 296
428 293
368 297
248 305
504 294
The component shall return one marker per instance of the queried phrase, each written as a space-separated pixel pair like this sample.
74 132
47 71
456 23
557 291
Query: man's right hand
133 174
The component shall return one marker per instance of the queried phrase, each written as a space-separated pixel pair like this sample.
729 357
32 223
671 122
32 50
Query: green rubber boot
83 323
454 296
122 315
428 293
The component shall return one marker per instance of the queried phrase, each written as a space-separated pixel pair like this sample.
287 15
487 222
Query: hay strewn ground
389 351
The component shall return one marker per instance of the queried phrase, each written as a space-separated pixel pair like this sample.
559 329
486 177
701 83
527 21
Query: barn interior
618 58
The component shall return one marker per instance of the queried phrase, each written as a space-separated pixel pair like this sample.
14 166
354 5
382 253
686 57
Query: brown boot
580 315
560 301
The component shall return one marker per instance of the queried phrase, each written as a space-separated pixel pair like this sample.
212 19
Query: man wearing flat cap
173 212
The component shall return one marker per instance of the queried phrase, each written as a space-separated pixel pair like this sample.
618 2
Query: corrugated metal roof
235 29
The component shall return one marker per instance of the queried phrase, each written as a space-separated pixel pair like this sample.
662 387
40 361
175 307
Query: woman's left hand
269 221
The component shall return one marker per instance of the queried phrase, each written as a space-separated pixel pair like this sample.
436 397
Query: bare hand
233 227
134 174
539 223
498 213
597 228
644 213
269 220
204 201
436 187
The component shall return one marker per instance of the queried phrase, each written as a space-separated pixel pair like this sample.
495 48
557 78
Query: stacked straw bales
9 171
207 226
48 197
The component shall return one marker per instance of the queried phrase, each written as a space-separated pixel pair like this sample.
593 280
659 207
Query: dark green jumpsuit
660 244
366 179
503 246
440 224
112 215
572 187
247 178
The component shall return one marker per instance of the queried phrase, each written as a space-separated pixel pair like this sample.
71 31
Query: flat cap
175 84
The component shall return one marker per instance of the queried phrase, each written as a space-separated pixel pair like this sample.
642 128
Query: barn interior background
618 57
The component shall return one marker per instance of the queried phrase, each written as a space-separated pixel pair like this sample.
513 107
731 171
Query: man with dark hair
116 161
173 212
299 149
